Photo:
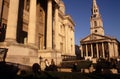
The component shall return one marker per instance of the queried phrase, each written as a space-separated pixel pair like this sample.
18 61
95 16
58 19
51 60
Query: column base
9 41
21 54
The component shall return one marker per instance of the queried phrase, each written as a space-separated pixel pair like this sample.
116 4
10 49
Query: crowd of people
108 64
102 65
50 67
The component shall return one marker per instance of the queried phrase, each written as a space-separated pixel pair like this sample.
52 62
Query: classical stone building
97 44
35 29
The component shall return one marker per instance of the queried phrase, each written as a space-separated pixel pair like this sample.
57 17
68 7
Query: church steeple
96 24
95 9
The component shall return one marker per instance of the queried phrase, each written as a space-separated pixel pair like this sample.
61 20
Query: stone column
66 38
116 51
111 53
69 38
1 7
103 50
56 29
97 50
49 25
81 49
32 23
86 50
92 50
12 20
73 42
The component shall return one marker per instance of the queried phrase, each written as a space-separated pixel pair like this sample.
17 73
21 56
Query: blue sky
80 11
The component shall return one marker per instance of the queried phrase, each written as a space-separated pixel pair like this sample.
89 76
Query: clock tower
96 24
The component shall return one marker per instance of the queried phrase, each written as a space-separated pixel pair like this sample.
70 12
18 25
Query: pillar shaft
12 20
1 8
32 23
91 50
56 29
73 46
86 50
81 48
66 38
97 50
49 25
103 50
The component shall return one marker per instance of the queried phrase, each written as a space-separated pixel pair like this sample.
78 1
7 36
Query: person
46 65
118 65
52 62
52 66
74 68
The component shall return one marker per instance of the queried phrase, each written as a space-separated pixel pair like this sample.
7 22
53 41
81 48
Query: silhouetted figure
118 65
113 63
36 72
99 66
52 67
52 62
46 65
23 73
36 68
8 71
74 68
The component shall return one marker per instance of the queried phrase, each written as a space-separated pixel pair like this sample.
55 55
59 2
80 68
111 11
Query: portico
97 44
95 50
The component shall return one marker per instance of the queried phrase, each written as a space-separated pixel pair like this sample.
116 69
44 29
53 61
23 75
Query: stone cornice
61 15
69 18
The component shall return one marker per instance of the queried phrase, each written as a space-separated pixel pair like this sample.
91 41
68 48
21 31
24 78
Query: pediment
95 37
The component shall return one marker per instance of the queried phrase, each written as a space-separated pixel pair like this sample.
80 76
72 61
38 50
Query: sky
80 11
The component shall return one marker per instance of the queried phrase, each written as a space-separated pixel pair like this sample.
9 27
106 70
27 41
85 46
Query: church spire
94 3
95 9
96 24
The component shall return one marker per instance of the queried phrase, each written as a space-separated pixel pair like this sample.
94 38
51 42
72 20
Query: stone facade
97 44
34 29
